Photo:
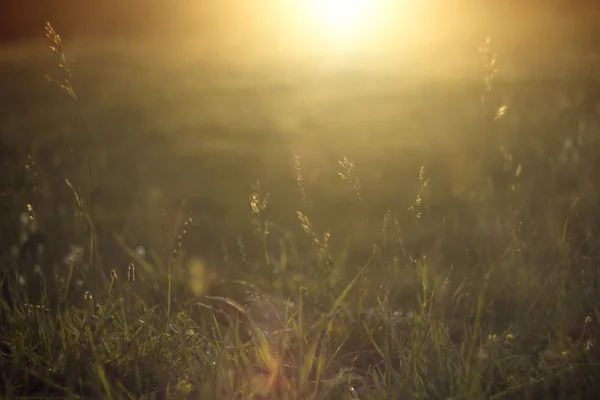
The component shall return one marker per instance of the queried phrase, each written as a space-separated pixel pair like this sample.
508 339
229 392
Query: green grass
478 280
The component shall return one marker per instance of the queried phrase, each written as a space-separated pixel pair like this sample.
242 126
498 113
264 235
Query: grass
485 286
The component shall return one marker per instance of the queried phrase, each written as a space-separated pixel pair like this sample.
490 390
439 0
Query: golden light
352 25
342 17
331 28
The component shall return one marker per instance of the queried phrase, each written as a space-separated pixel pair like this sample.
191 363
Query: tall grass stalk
67 65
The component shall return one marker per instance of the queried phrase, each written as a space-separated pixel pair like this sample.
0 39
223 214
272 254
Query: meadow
184 224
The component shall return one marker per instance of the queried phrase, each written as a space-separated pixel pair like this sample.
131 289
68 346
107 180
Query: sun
348 27
341 14
341 17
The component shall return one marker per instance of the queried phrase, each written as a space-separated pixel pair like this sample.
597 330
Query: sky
24 19
284 22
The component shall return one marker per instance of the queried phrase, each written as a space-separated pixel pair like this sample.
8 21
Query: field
407 226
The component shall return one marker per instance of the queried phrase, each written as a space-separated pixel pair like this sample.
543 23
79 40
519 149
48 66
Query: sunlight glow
352 25
342 17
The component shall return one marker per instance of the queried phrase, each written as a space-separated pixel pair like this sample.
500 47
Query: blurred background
188 104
